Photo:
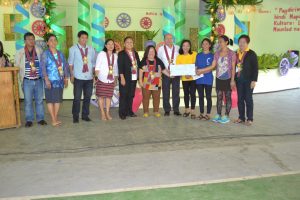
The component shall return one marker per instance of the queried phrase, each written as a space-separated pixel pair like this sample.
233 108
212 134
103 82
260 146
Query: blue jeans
33 89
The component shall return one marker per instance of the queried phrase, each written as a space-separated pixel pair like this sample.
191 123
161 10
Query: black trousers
208 90
245 98
189 89
85 86
166 85
126 98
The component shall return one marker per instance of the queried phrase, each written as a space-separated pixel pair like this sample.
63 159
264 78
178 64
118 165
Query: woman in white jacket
107 71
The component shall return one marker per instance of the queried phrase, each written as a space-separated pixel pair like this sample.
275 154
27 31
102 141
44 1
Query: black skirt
223 85
54 95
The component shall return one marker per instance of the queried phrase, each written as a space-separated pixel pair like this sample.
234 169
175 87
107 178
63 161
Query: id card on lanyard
134 65
170 60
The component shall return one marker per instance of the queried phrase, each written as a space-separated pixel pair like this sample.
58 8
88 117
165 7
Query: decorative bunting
98 31
205 27
179 6
57 28
84 15
243 27
19 27
169 27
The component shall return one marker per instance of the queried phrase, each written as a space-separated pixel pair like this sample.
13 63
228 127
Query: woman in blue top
203 60
55 72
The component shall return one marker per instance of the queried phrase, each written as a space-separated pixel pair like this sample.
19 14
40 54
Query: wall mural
9 22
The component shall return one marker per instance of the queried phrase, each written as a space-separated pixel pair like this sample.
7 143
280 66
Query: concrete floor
141 152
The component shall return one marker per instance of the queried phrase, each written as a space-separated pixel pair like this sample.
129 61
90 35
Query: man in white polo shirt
168 54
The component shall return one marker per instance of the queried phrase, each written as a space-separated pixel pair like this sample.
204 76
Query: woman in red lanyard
107 71
128 62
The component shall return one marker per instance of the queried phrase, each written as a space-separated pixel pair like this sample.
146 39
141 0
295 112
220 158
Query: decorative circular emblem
294 59
220 29
123 20
106 22
146 23
221 14
39 28
284 66
37 9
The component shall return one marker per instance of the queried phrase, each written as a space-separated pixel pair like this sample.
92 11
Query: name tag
134 77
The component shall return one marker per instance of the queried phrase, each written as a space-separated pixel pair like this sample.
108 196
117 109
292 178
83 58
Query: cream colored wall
264 40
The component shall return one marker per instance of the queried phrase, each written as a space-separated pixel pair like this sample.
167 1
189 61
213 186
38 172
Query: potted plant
149 35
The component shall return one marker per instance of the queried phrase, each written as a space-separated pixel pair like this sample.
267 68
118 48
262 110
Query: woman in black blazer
128 62
246 78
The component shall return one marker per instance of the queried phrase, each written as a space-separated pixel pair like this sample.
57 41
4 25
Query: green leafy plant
149 35
113 35
25 1
50 5
269 61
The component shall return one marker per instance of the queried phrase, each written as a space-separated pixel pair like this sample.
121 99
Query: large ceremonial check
183 70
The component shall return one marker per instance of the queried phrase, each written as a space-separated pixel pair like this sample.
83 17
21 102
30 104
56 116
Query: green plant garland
50 5
212 7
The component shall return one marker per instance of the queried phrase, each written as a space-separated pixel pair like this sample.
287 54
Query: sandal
193 116
186 114
238 121
157 114
206 117
248 123
200 117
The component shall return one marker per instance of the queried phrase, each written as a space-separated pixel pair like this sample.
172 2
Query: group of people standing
49 71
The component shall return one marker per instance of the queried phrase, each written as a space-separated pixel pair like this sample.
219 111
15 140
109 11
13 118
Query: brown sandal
193 116
186 114
238 121
206 117
200 117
